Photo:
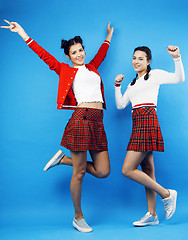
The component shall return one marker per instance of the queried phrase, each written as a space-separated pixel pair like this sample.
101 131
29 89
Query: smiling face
77 55
140 62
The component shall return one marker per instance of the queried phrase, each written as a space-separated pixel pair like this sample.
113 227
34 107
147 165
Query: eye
81 50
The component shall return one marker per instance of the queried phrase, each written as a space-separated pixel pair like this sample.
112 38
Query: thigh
100 159
79 161
133 159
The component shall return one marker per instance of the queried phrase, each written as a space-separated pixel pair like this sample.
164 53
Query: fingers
119 78
4 26
11 25
7 21
172 48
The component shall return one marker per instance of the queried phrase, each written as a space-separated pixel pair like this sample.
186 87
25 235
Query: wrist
176 57
24 35
117 84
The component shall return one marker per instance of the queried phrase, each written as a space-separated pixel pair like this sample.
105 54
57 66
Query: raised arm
178 76
101 54
41 52
121 101
110 31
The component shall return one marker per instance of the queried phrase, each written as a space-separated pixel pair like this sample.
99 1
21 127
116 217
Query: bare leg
79 160
100 167
132 161
148 168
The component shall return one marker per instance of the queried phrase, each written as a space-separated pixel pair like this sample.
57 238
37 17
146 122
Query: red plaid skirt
146 133
85 131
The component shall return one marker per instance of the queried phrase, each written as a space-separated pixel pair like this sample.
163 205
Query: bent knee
126 172
103 174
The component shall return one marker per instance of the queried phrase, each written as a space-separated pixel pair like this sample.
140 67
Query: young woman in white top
80 88
146 135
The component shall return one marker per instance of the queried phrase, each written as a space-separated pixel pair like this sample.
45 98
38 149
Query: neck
140 74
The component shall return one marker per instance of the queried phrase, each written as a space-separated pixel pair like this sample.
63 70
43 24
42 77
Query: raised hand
119 78
15 27
110 31
173 51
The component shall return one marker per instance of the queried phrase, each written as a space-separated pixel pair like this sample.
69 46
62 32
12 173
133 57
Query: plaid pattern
85 131
146 133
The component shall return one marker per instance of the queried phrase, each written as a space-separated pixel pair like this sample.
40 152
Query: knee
126 172
79 175
103 173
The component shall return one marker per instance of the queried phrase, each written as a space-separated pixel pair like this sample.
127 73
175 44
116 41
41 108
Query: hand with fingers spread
15 27
173 51
119 78
110 31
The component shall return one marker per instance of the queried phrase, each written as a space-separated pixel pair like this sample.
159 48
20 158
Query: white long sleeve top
145 92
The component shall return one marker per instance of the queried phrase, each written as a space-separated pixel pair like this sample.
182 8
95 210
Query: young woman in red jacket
80 88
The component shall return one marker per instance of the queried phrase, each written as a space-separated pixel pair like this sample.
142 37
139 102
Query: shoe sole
174 207
53 159
81 229
146 224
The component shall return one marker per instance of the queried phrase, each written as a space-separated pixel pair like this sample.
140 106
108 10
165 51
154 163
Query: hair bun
63 43
78 39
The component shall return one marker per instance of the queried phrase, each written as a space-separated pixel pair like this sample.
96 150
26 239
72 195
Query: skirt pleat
146 133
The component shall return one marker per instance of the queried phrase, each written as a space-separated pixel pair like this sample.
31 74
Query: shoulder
156 72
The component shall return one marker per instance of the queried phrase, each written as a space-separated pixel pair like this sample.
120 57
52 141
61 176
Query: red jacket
65 97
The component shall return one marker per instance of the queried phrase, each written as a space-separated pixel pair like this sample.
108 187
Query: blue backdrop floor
118 226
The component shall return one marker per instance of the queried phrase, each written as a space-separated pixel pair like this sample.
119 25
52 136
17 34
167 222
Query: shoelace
147 215
167 205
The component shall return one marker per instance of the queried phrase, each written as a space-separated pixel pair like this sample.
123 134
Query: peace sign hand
15 27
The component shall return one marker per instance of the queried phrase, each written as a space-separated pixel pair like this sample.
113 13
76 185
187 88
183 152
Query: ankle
153 213
78 217
167 194
62 160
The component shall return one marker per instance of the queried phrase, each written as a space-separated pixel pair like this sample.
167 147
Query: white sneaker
146 220
54 160
170 204
81 225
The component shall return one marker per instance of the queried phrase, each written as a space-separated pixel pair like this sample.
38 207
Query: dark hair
67 44
149 57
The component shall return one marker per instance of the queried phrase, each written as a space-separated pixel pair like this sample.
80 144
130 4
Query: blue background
37 205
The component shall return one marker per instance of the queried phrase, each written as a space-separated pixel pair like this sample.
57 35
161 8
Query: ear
67 56
149 62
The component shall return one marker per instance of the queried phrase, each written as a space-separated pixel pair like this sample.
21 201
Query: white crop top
146 91
87 86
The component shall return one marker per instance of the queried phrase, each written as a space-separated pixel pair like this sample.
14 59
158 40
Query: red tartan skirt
146 133
85 131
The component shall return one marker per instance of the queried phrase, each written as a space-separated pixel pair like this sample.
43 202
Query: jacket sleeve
44 55
101 54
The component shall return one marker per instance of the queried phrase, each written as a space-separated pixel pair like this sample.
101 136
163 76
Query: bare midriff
96 105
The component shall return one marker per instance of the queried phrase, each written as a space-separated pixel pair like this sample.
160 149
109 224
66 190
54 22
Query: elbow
182 79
